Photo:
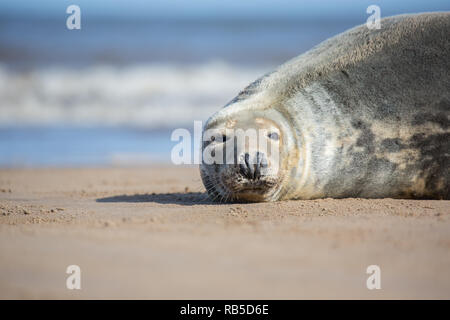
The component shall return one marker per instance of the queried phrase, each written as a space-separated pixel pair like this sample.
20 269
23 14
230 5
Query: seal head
246 153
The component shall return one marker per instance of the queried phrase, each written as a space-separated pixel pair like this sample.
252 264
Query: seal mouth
259 186
254 190
231 187
244 189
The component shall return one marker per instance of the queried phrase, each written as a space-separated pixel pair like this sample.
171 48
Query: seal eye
223 138
273 136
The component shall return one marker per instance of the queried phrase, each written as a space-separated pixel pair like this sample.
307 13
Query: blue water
28 43
112 92
119 77
56 146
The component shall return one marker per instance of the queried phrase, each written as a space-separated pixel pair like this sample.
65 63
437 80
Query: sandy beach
151 233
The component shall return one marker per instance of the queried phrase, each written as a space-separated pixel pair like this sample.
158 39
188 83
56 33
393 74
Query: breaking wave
145 96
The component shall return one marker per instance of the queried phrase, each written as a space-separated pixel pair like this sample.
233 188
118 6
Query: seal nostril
257 173
247 168
263 161
250 166
243 169
247 159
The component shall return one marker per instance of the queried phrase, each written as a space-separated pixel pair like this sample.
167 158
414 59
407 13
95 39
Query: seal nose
252 166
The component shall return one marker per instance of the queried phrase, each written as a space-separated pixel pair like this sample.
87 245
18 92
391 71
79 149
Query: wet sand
151 233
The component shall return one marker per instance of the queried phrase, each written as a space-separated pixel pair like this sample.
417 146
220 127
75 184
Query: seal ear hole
274 136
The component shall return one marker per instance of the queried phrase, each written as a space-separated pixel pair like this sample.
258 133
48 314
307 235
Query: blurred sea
112 92
152 75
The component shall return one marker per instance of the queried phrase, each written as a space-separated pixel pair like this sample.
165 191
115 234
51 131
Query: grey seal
363 114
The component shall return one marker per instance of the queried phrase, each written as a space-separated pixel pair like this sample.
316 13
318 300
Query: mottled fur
368 113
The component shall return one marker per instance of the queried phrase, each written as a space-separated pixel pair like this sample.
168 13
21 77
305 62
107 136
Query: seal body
364 114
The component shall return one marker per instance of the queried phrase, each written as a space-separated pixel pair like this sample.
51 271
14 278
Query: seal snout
252 166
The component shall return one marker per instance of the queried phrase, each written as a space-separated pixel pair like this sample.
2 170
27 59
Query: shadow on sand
186 199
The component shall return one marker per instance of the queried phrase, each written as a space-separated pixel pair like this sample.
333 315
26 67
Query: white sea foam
148 96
